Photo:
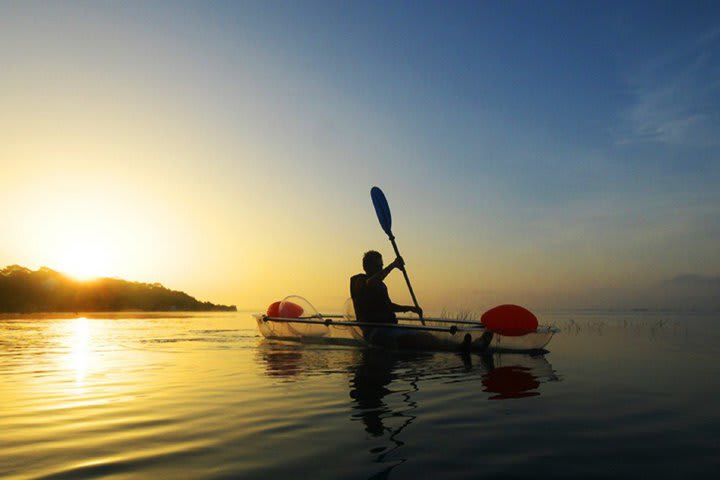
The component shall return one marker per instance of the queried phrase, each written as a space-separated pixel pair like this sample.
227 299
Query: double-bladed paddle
382 209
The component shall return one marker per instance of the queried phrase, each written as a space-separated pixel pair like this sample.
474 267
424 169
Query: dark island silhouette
44 290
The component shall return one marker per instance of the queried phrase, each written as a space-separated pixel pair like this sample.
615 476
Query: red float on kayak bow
274 309
510 320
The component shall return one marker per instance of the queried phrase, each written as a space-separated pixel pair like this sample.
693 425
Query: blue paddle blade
382 209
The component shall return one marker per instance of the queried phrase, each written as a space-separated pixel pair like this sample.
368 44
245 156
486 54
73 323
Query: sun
84 258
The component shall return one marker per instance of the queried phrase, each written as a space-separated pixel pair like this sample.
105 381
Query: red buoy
274 309
290 310
510 320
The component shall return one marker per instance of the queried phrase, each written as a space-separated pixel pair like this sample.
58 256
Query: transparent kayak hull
408 335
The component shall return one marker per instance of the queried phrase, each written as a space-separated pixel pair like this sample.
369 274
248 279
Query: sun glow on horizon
84 258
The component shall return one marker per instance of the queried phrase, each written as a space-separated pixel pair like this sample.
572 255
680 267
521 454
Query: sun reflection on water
80 351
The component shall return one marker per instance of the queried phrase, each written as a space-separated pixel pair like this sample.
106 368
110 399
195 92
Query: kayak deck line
327 321
443 320
405 319
338 329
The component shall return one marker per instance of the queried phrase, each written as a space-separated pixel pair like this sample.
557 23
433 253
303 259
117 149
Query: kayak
305 324
447 335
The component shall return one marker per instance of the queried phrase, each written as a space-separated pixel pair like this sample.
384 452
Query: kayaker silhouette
371 300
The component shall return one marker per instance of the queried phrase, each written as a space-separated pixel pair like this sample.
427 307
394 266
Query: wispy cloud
676 96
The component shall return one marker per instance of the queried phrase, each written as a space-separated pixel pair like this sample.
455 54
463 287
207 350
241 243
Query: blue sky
571 145
571 97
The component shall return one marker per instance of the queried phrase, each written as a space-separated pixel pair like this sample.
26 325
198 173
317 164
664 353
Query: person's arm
380 276
406 308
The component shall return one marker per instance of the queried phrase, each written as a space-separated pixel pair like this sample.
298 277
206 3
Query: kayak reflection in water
369 385
372 302
508 375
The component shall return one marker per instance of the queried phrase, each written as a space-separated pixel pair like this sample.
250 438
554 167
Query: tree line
44 290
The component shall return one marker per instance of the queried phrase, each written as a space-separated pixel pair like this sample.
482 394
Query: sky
550 154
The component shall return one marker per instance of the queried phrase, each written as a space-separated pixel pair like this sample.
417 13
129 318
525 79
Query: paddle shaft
407 279
382 209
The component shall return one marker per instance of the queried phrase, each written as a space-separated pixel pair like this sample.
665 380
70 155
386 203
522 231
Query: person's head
372 262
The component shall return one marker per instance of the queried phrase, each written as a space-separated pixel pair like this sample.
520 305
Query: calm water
189 396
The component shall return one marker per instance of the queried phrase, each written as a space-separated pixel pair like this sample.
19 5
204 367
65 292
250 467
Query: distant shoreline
129 315
230 309
24 291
